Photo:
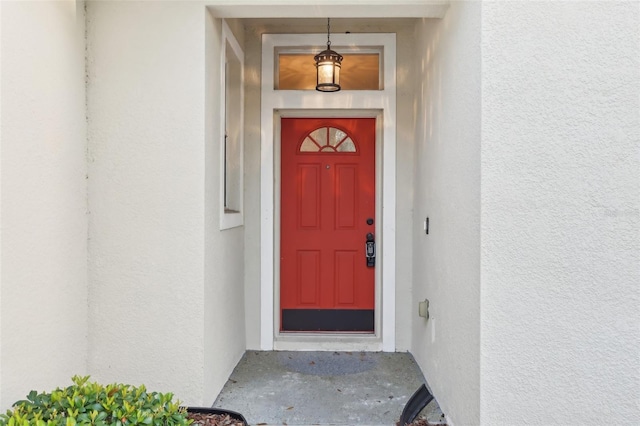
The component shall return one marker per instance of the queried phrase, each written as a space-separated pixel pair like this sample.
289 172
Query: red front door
327 213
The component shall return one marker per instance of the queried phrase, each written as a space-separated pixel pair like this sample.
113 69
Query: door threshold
349 342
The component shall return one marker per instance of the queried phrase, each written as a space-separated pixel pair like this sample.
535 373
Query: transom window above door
297 71
328 139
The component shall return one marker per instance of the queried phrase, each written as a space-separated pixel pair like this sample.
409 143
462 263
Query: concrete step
323 388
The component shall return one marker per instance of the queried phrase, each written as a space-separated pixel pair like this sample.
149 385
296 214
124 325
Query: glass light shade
328 65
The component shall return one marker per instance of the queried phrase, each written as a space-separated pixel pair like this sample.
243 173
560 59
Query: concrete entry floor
323 388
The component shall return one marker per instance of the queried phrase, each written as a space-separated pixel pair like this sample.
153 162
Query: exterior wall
2 404
560 212
165 286
43 200
405 140
252 67
447 190
254 28
224 338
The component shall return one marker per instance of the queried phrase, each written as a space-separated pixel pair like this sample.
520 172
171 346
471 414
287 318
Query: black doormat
328 320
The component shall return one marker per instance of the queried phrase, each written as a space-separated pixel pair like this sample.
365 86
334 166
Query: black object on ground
416 403
236 417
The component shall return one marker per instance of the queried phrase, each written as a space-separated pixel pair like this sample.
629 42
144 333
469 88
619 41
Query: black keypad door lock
370 250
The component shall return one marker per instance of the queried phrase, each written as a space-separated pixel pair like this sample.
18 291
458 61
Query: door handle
370 250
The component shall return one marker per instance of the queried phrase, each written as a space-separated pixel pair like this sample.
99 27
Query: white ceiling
328 8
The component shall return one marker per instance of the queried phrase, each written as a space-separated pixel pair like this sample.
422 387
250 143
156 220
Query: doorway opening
379 107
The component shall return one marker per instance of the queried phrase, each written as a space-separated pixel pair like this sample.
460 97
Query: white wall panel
166 294
43 238
224 318
446 262
560 212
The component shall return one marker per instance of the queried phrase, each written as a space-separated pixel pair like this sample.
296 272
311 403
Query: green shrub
89 403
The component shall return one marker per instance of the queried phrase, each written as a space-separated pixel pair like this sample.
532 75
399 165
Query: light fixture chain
327 66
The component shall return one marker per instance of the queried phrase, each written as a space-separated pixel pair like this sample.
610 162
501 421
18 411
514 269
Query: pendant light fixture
328 65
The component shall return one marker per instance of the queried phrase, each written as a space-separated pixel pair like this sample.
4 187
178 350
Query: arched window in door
328 139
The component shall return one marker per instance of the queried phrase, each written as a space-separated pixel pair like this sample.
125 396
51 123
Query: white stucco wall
224 317
43 198
405 95
2 405
560 212
165 286
446 263
252 64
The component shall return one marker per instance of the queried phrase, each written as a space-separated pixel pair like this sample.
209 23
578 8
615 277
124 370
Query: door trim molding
352 341
364 103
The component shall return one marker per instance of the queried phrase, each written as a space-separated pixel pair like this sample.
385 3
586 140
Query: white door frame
377 103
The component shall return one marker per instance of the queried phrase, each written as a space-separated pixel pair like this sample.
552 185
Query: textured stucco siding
446 263
560 213
224 297
43 305
165 284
